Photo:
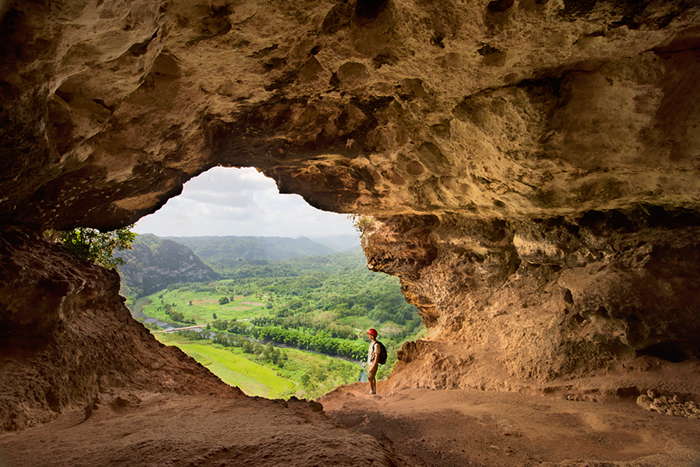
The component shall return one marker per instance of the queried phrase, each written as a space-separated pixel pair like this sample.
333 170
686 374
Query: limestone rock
675 405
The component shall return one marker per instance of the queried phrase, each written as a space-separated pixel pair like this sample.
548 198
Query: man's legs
371 377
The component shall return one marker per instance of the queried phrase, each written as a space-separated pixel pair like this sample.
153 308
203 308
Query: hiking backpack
381 358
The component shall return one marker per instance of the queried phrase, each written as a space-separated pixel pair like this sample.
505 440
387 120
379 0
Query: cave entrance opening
228 201
282 295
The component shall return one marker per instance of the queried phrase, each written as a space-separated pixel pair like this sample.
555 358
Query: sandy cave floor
414 427
473 428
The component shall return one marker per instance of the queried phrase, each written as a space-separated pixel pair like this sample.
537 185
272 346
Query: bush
97 246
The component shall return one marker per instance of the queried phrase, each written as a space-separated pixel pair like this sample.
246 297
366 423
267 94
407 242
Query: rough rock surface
547 108
549 298
205 431
66 337
410 428
531 167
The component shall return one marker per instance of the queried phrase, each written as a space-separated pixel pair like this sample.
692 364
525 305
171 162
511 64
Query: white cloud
240 202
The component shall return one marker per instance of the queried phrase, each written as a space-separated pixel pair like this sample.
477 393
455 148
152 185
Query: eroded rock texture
532 165
66 337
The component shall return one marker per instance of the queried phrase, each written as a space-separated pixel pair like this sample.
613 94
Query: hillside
153 263
227 253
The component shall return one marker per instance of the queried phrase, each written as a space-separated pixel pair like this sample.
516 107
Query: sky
240 202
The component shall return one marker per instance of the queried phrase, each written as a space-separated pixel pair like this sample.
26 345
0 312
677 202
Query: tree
361 222
97 246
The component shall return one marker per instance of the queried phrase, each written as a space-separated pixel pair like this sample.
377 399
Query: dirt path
187 431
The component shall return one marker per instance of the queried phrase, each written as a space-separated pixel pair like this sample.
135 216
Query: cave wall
531 166
544 299
67 339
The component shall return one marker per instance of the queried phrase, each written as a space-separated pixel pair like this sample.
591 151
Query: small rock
644 402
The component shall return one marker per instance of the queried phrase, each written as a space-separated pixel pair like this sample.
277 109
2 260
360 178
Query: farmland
285 328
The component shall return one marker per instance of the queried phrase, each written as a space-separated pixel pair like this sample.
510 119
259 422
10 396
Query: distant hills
252 248
339 243
156 262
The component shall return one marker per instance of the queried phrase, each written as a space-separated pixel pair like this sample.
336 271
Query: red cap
372 332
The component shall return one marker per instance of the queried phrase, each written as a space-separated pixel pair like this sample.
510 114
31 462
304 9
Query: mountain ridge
227 252
154 262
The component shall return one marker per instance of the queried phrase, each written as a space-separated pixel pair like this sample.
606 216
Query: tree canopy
97 246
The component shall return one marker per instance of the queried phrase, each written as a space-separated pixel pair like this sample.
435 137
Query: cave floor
490 429
413 427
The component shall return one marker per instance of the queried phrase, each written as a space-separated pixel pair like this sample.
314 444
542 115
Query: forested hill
226 254
154 263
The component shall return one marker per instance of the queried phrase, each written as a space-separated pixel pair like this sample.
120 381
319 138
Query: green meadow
304 374
201 304
287 328
252 378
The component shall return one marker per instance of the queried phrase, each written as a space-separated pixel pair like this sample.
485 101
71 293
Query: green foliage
320 342
227 254
252 376
155 264
97 246
312 374
361 222
315 309
194 335
223 300
152 326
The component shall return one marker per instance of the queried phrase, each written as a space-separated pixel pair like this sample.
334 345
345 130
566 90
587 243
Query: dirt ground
412 427
490 429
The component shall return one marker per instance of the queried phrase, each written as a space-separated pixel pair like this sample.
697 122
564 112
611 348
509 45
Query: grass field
252 378
300 373
304 375
202 306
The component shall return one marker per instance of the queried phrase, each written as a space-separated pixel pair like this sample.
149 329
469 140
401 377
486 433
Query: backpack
381 358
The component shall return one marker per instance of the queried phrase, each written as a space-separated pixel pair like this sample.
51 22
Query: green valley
282 328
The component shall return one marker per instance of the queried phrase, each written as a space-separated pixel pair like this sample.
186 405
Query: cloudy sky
240 202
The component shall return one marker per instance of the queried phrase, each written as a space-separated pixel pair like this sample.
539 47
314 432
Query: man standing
372 361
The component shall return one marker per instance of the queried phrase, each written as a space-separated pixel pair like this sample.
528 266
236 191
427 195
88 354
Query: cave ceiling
487 109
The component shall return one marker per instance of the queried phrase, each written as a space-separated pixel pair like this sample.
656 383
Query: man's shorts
371 374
